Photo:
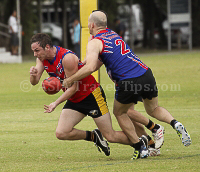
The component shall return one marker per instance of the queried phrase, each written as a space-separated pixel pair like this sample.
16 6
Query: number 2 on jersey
123 46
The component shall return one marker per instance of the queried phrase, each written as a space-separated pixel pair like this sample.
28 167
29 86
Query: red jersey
55 68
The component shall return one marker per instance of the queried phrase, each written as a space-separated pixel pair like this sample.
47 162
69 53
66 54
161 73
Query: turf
27 135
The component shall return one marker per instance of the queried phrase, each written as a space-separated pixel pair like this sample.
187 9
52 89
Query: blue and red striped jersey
120 61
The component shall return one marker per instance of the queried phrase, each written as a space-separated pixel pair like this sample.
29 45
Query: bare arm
36 72
89 39
92 63
70 64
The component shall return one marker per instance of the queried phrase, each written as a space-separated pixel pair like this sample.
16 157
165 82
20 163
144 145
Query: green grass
27 135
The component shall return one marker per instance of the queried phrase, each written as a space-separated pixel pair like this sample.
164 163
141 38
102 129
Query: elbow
33 82
92 69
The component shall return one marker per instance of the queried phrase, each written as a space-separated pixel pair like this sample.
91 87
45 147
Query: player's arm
36 72
92 63
70 64
89 39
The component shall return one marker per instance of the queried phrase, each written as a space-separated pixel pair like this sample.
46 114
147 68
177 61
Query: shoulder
70 64
70 61
95 42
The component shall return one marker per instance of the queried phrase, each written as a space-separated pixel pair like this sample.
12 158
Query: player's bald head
99 18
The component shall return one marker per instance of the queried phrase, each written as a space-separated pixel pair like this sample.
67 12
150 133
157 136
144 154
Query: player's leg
152 108
120 112
156 129
140 145
151 144
89 106
65 129
141 131
124 99
104 124
102 118
138 117
163 115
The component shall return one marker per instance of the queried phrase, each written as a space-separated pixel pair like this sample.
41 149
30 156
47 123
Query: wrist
56 103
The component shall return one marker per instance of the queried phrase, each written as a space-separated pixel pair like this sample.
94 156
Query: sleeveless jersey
120 61
55 68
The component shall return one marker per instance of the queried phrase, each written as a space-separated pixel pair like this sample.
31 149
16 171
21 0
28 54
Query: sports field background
27 135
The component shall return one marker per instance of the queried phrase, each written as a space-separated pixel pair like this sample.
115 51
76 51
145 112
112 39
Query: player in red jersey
85 97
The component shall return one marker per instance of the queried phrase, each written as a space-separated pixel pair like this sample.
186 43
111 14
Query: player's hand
67 83
49 108
33 71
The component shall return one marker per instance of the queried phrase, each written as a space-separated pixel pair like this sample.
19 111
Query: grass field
27 135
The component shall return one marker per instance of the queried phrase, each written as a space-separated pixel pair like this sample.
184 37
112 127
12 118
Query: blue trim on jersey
52 61
66 53
52 74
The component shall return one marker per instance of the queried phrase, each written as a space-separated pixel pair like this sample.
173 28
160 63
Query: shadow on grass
125 162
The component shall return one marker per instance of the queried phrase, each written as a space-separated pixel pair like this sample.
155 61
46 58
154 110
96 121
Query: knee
110 138
130 112
61 135
151 111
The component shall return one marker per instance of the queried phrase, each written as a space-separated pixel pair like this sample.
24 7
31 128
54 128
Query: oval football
51 85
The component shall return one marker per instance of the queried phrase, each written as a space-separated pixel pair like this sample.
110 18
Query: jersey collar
52 61
103 31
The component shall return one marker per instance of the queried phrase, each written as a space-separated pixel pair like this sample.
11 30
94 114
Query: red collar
102 31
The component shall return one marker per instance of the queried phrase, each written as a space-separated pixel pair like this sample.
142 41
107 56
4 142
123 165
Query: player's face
38 51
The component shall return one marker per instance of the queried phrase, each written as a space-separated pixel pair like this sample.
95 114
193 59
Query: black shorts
131 90
14 39
94 105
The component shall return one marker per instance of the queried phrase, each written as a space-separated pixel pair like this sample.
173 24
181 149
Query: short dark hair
43 39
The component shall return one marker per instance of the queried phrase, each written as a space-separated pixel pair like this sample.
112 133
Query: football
51 85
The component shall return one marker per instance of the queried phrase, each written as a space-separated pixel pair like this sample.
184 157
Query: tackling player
132 77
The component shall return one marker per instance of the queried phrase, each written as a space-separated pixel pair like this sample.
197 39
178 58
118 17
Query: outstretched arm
92 63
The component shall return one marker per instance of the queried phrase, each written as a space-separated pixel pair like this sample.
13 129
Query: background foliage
154 12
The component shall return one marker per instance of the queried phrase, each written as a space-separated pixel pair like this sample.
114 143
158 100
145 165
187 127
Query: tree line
154 13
